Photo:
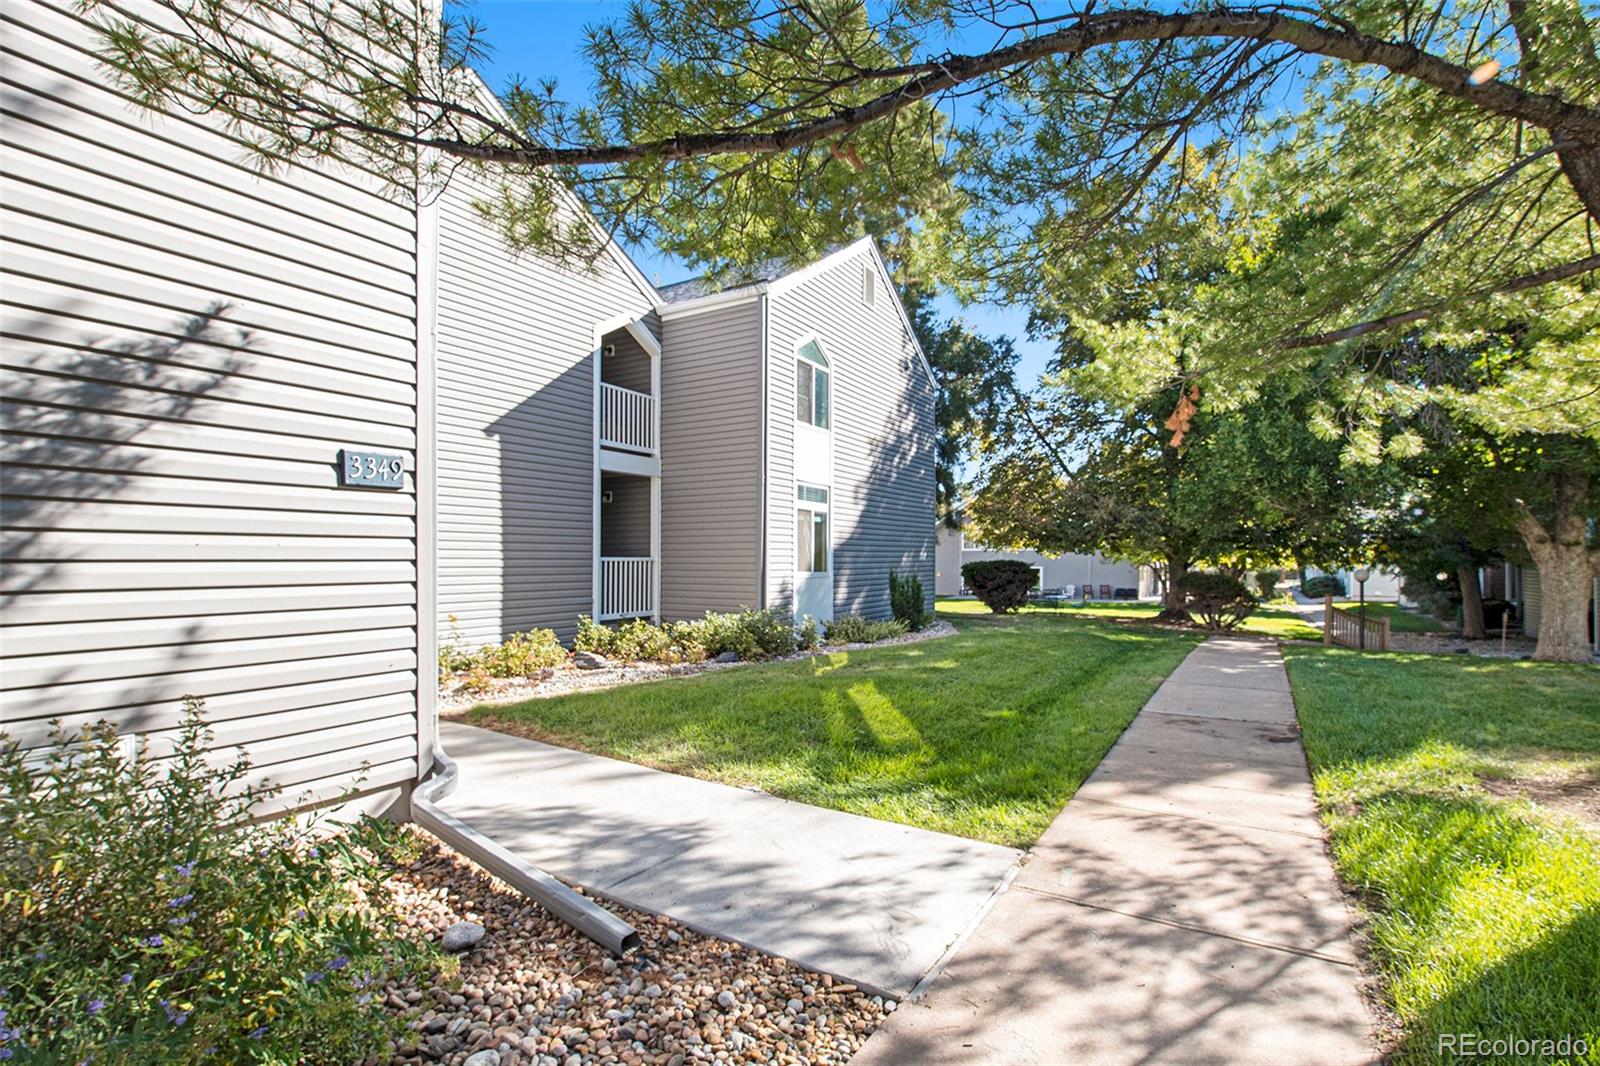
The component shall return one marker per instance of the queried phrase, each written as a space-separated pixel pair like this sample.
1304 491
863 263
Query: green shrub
452 658
749 634
1002 584
1221 600
808 637
853 629
1322 585
906 600
595 637
147 918
1267 582
639 641
523 654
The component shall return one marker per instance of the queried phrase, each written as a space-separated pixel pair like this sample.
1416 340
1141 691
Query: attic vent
869 286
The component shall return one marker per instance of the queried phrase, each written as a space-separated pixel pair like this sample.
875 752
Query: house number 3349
371 470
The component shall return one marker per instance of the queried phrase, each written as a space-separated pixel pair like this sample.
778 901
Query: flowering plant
147 914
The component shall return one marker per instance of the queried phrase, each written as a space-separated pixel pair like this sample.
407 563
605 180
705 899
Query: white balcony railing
627 418
627 587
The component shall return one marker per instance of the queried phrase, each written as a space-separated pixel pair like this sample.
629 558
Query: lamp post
1361 576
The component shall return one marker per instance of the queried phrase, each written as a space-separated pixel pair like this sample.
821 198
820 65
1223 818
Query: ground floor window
811 529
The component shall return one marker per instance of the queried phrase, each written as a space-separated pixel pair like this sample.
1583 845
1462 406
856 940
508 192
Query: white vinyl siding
188 344
516 371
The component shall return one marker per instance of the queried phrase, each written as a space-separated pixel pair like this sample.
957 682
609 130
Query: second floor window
812 402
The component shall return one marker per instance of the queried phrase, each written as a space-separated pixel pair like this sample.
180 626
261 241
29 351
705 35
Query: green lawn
1401 619
986 733
1463 800
1266 622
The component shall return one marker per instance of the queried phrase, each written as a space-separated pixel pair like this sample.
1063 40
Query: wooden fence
1344 627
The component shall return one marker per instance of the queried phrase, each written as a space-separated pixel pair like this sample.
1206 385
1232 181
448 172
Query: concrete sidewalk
876 903
1182 908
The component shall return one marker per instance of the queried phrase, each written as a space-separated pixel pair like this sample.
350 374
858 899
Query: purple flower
315 854
174 904
153 941
314 976
96 1006
338 962
180 920
5 1053
185 869
258 1033
40 955
125 979
179 1019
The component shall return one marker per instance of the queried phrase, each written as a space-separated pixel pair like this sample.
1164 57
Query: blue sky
540 39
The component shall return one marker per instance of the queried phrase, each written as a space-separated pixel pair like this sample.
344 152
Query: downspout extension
580 912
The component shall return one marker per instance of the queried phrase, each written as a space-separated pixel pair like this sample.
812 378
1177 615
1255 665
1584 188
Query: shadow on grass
985 733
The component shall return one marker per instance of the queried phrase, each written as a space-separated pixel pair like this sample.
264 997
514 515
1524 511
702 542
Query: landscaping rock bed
454 698
1455 644
533 991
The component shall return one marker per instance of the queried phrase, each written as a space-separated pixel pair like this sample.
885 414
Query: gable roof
774 277
491 102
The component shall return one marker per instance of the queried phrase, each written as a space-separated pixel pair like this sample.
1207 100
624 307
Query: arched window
812 400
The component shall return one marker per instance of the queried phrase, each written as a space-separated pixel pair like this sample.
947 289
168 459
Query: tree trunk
1174 601
1471 604
1566 581
1567 568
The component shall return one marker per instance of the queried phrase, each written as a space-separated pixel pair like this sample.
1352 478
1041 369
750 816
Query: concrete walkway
1182 908
875 903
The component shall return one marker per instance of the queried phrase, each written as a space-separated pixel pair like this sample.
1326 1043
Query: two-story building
265 432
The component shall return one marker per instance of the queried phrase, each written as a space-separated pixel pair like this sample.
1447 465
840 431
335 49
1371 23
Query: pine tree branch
1417 314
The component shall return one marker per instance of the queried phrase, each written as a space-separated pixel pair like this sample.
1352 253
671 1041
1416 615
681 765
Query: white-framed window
811 529
970 545
813 401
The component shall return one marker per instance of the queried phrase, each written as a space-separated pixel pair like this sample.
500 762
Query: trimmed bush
520 655
749 634
853 629
1002 584
1322 585
1267 582
523 654
906 601
1220 600
148 918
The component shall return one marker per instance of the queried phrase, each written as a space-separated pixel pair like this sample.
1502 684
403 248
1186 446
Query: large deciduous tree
1248 487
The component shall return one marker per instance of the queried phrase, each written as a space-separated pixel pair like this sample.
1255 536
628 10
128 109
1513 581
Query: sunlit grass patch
1266 622
1485 897
985 734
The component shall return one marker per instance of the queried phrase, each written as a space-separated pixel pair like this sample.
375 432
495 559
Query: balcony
627 419
627 587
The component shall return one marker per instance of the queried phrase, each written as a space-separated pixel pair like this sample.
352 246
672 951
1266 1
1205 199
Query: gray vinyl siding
882 510
710 468
516 380
629 365
625 521
187 345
